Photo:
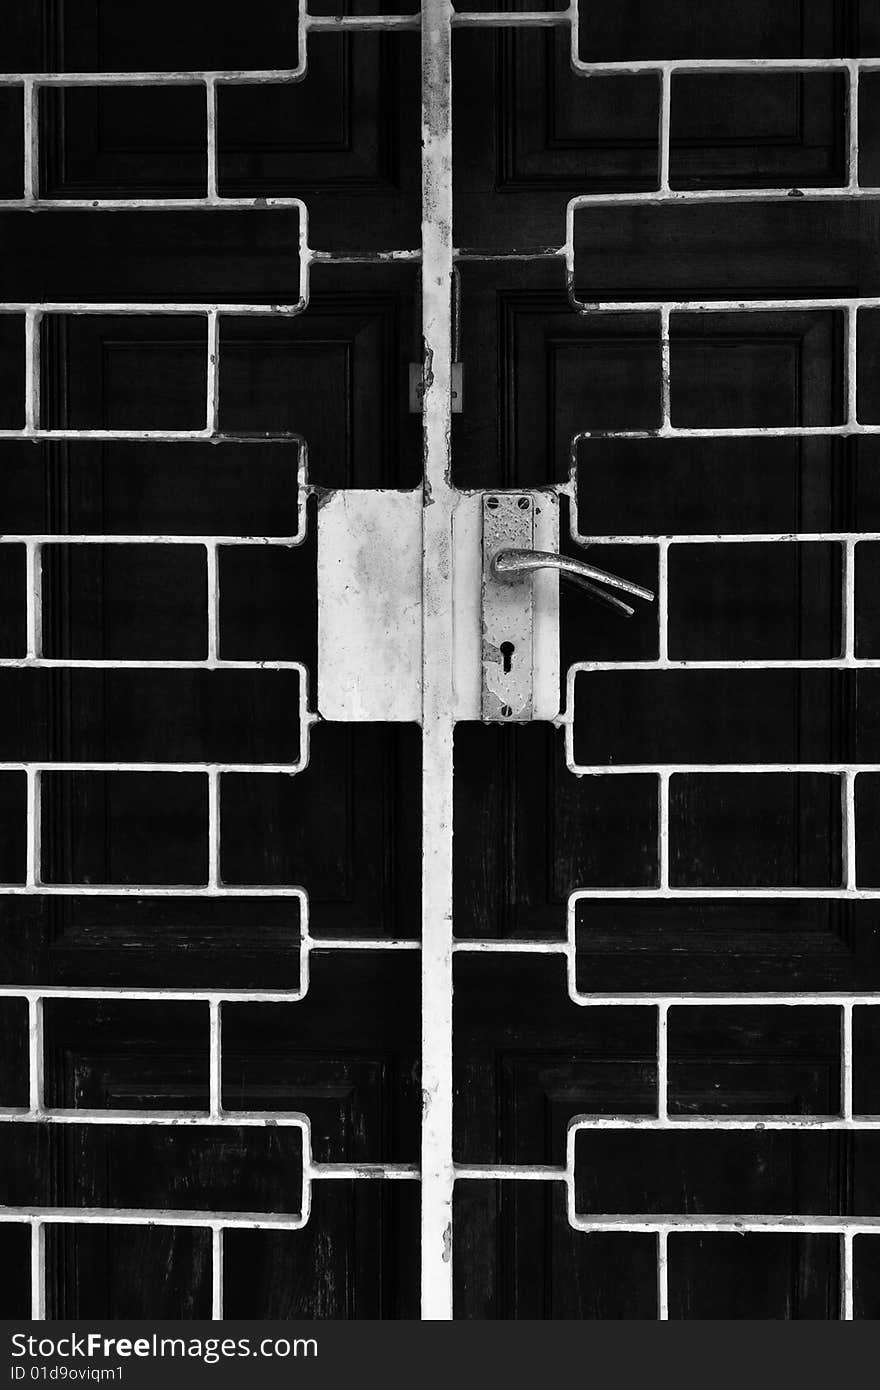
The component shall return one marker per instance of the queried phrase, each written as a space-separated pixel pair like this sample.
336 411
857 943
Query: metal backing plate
370 606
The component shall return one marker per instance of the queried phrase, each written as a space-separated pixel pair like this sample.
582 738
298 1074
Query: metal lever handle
510 565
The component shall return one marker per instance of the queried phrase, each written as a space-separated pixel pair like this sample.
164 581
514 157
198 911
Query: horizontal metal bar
469 1172
145 1216
181 767
145 308
510 947
36 663
717 1225
213 203
60 539
402 256
711 894
177 77
340 23
199 436
734 306
721 538
867 1123
831 663
512 19
745 432
628 769
793 193
196 1119
728 1000
132 994
145 890
729 66
346 1172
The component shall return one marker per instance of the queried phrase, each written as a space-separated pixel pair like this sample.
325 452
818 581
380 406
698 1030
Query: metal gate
444 599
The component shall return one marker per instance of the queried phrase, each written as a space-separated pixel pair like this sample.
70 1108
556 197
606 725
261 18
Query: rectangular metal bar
215 1059
846 1276
663 143
663 1275
211 137
212 376
846 1061
38 1270
212 576
34 599
437 662
31 122
217 1273
32 374
214 880
35 1053
663 1061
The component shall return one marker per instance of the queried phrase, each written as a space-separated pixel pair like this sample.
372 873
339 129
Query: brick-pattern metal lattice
846 773
438 1172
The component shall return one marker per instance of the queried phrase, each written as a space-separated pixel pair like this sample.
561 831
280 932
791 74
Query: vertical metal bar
213 583
846 1062
217 1273
212 407
33 866
664 119
32 376
663 601
211 136
215 1059
849 599
38 1271
662 1061
851 385
665 372
31 99
663 1275
33 599
213 829
663 827
848 790
437 718
852 114
846 1276
35 1054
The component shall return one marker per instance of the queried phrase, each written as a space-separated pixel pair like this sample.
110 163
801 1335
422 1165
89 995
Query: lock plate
507 655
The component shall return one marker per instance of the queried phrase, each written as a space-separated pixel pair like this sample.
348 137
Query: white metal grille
849 307
437 253
37 1111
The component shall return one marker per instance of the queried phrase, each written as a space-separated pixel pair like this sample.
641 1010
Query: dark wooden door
346 829
553 394
320 400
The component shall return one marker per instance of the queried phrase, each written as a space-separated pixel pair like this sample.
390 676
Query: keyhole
507 649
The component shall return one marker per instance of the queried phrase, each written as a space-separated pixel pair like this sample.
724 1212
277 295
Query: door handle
510 565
